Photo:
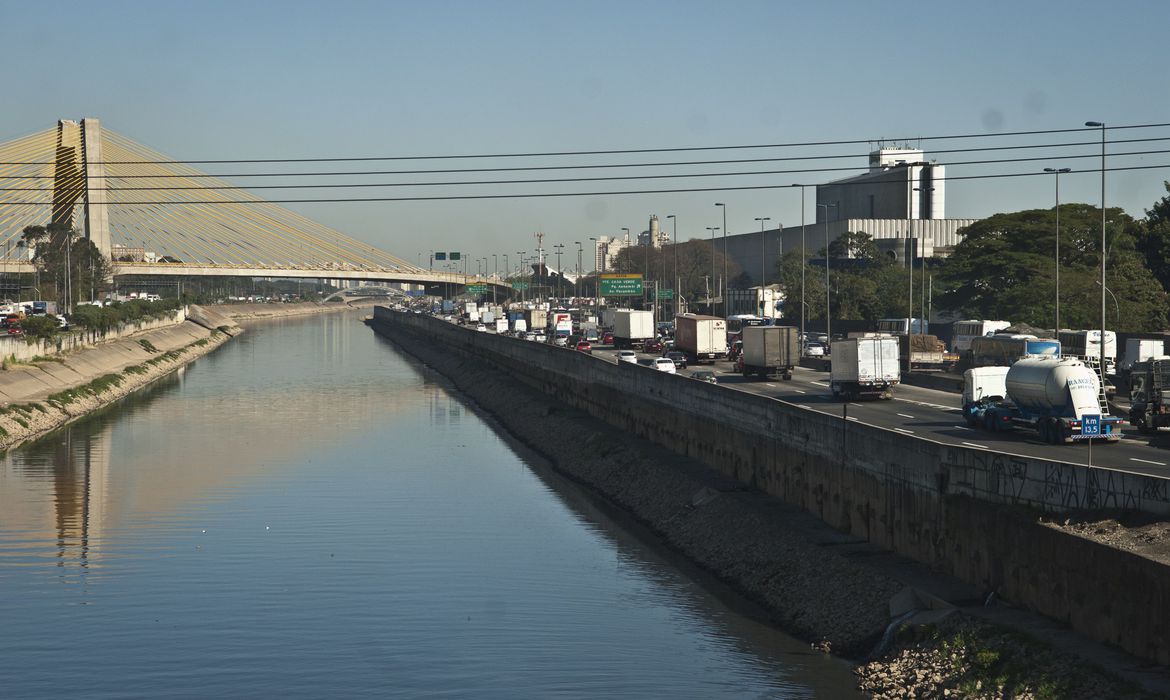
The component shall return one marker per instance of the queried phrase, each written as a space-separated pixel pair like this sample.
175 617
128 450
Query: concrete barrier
968 512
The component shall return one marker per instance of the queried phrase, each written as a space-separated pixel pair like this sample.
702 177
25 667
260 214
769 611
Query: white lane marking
905 415
971 444
964 427
821 383
801 391
805 406
903 430
1146 461
851 418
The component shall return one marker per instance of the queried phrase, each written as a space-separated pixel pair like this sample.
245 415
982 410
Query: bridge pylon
79 175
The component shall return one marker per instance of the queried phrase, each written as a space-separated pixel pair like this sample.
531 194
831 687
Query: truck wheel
1045 431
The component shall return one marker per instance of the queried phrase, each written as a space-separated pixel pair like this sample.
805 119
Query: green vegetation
135 369
40 326
97 386
47 358
147 345
20 421
63 254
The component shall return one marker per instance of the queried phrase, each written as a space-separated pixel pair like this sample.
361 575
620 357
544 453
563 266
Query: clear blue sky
205 80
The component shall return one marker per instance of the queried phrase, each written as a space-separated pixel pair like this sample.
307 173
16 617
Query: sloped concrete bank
833 589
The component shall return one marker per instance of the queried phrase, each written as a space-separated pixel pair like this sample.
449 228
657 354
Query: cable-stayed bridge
150 215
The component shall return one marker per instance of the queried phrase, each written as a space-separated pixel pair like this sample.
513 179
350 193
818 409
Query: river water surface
307 512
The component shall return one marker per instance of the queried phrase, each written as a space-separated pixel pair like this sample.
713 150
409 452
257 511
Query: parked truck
632 328
865 367
1149 384
700 338
770 351
1050 395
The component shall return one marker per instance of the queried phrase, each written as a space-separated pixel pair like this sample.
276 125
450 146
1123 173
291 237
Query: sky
260 80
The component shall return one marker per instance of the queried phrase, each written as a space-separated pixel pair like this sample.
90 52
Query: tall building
900 184
606 249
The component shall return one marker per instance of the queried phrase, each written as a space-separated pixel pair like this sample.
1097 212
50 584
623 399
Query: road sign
454 255
440 256
621 285
475 288
665 293
1091 425
519 286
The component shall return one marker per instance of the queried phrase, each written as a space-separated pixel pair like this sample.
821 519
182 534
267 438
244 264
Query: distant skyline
261 80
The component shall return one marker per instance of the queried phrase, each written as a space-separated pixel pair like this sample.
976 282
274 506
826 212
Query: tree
1004 268
1153 242
695 259
789 271
62 259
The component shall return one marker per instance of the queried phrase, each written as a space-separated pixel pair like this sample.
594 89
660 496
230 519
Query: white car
628 356
482 328
664 364
561 341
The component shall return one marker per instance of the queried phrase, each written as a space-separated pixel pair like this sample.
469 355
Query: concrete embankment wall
963 511
21 348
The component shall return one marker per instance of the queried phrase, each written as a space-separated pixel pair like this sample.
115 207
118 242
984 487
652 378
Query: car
705 376
653 346
521 335
607 339
678 358
814 349
628 356
482 328
592 336
735 350
584 346
538 337
664 364
561 341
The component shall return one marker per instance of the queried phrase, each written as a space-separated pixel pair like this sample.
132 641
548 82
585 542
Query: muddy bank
823 586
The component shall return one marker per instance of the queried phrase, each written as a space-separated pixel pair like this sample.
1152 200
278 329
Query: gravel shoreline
810 586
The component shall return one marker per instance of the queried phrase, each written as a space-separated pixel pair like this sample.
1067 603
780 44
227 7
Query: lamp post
560 273
1056 172
922 307
711 299
723 286
763 272
577 284
828 312
674 244
803 264
520 255
1101 125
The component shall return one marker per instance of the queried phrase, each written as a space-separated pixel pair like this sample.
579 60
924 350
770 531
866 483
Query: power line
841 142
531 195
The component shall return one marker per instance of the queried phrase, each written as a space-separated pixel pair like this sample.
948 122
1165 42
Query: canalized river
308 512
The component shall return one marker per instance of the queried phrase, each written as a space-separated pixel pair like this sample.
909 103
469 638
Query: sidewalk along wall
21 348
954 508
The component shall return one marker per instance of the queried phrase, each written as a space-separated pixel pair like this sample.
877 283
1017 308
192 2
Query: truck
1139 349
864 367
519 325
925 352
1004 349
700 338
770 351
561 323
1054 396
537 319
632 328
501 325
1149 384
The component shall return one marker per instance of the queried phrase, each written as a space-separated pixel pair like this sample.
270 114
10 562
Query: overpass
149 214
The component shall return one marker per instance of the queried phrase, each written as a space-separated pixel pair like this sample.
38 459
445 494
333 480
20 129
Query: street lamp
1101 125
577 284
1056 172
922 309
763 273
674 244
520 254
723 295
828 312
710 299
560 272
803 264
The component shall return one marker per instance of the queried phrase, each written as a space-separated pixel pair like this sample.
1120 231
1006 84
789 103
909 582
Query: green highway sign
665 293
454 255
621 285
519 286
475 288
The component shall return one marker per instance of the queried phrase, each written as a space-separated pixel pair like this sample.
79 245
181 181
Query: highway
934 415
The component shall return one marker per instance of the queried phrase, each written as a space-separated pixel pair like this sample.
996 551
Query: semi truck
1049 395
700 338
1149 384
865 367
770 351
632 328
1003 349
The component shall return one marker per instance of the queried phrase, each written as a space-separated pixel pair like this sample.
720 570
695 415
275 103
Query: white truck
700 338
770 351
501 325
632 328
864 367
1057 397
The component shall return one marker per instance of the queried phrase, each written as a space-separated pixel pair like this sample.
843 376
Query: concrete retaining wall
957 509
23 349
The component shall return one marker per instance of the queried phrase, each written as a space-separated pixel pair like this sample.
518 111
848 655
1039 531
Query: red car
653 346
607 339
584 346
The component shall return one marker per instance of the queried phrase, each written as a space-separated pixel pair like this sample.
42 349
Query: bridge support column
80 175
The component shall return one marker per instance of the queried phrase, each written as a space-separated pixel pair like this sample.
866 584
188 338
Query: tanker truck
1049 395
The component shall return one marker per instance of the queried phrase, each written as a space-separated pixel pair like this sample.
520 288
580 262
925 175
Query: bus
1086 345
897 326
736 323
963 332
1003 350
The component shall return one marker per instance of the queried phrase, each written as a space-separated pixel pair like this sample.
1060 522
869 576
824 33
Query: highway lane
935 415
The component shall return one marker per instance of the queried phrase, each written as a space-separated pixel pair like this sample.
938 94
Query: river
308 512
